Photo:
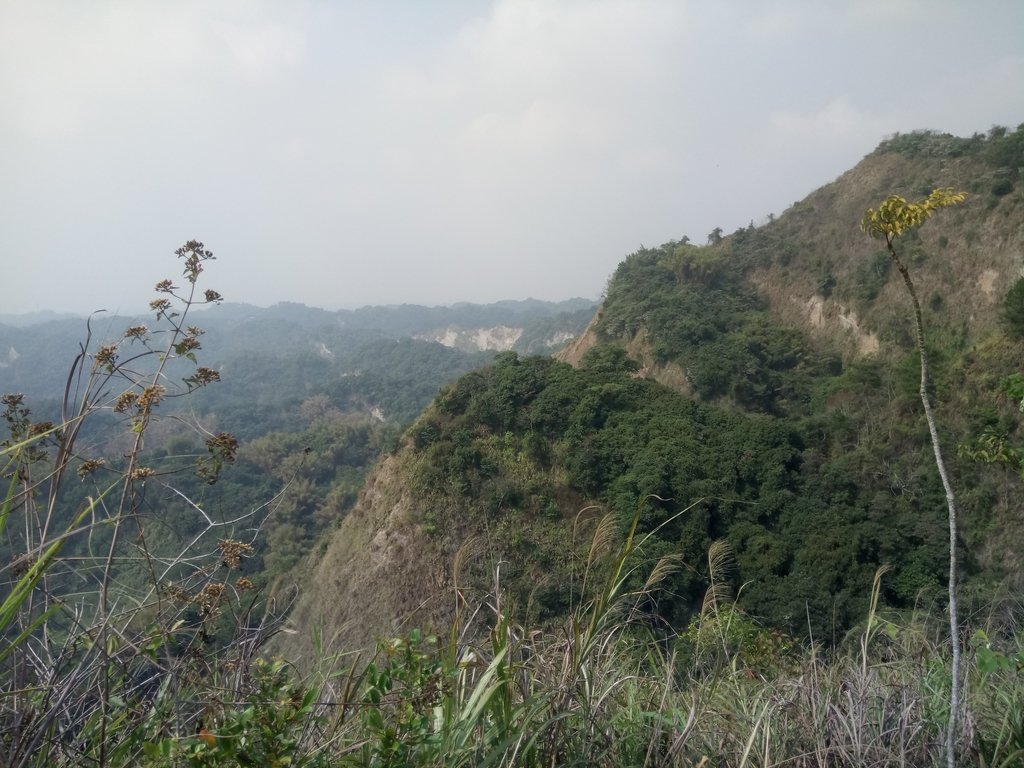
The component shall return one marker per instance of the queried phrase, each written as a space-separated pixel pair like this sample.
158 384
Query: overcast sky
382 152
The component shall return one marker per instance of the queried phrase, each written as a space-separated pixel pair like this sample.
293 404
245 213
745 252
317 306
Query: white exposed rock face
867 342
987 282
323 351
12 355
819 315
500 338
816 311
562 337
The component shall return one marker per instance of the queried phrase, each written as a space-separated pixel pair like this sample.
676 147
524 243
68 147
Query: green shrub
1013 310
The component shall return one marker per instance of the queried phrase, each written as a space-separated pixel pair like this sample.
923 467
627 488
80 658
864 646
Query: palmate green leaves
896 216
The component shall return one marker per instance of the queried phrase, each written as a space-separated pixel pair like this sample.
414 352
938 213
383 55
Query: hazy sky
350 153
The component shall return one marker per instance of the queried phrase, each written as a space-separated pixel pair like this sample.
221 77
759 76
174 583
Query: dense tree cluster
809 525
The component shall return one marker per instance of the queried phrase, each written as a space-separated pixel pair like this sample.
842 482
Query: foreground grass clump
628 703
605 689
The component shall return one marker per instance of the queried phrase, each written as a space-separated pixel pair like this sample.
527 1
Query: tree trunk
954 623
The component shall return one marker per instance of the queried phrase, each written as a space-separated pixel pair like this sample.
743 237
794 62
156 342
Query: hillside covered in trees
709 526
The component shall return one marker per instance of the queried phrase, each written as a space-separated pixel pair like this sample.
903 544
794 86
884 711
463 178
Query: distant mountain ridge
398 318
35 348
35 318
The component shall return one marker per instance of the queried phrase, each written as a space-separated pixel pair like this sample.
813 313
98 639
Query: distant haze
350 153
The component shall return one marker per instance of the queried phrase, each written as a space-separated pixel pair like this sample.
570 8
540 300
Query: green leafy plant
265 729
403 685
1013 309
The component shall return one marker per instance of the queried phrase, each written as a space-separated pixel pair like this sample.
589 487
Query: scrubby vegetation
603 685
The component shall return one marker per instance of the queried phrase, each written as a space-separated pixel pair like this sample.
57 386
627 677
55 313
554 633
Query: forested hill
760 389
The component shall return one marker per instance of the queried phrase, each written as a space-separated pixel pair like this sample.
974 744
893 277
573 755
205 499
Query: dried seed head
209 596
125 401
106 355
178 594
21 564
39 428
12 400
89 466
204 376
151 397
186 345
233 552
224 445
194 254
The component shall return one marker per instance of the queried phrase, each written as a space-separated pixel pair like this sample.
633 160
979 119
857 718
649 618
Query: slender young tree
894 217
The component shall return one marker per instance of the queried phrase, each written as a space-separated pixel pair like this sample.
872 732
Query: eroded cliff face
962 262
378 575
500 338
572 353
821 275
638 348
